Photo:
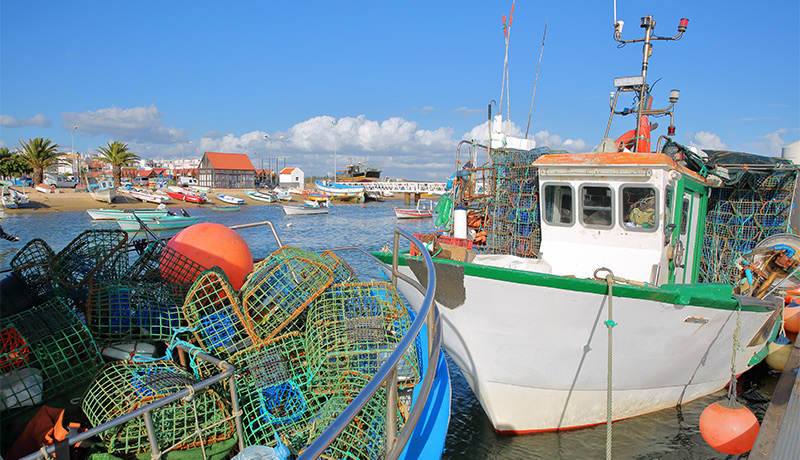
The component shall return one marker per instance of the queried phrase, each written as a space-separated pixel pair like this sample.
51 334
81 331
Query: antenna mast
537 78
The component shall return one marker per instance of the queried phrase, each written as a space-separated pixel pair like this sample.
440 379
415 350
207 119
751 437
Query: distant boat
423 210
114 214
148 197
358 173
12 198
183 194
226 208
230 199
303 210
317 204
341 191
282 194
259 196
130 224
103 190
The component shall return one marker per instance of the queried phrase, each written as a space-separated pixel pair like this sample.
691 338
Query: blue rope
173 342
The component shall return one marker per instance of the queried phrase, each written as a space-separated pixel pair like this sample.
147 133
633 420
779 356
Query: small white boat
303 210
259 196
230 199
423 210
103 190
114 214
282 194
317 203
149 197
130 224
12 198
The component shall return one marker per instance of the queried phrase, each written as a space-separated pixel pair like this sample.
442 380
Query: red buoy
729 429
791 317
211 244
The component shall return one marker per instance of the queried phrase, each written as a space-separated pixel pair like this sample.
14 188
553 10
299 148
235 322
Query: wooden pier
779 436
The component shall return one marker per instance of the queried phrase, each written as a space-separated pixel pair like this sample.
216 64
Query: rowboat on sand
261 196
230 199
148 197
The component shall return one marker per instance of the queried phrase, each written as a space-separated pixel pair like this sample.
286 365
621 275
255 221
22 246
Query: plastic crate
462 242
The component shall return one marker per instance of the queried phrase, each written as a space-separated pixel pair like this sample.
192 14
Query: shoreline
72 200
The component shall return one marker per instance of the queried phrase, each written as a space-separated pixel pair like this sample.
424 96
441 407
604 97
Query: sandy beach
80 200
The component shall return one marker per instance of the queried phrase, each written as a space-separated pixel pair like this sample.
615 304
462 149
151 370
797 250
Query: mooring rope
610 326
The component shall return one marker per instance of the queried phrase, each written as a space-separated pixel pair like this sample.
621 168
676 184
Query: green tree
39 154
11 165
118 155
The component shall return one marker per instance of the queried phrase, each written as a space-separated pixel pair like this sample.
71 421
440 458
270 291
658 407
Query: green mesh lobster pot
165 265
123 387
354 328
139 310
33 265
94 256
272 383
342 273
50 352
211 312
279 289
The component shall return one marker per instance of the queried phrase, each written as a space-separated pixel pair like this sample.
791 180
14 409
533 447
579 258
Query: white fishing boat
317 203
12 198
148 197
281 194
260 196
230 199
167 222
103 190
617 263
341 191
114 214
291 210
423 210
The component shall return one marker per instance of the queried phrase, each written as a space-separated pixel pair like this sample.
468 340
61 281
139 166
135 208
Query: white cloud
774 141
37 120
464 111
705 140
425 109
134 125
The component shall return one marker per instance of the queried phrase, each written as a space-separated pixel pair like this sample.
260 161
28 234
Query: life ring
628 140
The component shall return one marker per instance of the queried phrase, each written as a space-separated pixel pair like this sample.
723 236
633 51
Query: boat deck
779 436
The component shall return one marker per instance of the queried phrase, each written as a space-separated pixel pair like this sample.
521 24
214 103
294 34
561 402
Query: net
32 265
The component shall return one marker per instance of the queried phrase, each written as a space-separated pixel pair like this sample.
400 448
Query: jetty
412 190
779 436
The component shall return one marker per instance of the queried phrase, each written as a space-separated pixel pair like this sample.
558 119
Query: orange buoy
211 244
791 317
779 351
730 429
629 140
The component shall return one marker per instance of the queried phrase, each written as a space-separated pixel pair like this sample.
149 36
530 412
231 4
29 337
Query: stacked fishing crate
513 225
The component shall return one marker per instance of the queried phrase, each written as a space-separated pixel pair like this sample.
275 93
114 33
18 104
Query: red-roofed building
292 177
226 170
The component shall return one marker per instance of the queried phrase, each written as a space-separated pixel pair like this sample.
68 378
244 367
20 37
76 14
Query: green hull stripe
710 295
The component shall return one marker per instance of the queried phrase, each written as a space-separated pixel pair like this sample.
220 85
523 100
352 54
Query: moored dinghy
113 214
566 236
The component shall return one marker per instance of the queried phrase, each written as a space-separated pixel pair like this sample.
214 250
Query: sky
395 84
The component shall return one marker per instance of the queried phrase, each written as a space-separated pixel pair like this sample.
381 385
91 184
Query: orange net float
211 244
791 317
729 428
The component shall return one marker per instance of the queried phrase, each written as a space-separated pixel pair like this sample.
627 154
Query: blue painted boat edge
428 438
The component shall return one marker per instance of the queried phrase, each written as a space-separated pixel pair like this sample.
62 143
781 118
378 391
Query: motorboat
340 191
12 198
230 199
317 203
167 222
423 210
260 196
183 194
293 210
103 190
148 197
114 214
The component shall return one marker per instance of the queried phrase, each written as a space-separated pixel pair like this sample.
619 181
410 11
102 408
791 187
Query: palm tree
117 154
39 154
11 165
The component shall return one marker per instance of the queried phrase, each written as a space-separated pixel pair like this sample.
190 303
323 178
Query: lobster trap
354 329
342 273
741 215
94 256
142 310
162 264
33 266
123 387
279 289
46 352
272 383
212 311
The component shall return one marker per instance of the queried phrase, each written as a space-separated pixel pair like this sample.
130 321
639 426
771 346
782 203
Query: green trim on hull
710 295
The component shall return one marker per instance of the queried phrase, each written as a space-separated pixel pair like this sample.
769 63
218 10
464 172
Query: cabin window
558 205
639 210
685 216
597 206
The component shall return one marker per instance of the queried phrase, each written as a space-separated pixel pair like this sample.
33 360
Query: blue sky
405 80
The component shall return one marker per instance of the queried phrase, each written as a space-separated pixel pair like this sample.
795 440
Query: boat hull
173 223
303 210
149 197
412 214
258 196
107 195
536 355
114 214
187 197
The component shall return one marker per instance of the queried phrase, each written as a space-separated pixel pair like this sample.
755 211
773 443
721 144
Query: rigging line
535 80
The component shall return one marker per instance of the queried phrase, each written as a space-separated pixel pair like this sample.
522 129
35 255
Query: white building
292 177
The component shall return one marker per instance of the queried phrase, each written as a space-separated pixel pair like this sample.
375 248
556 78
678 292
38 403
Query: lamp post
74 159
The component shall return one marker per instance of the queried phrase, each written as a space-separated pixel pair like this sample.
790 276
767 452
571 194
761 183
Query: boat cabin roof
619 159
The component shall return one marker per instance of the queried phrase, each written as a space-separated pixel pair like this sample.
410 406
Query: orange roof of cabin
607 158
229 161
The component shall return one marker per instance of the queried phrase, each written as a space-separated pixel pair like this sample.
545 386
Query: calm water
669 434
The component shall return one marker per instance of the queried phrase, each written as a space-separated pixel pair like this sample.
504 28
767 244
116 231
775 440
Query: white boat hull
303 210
149 197
536 357
106 195
114 214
